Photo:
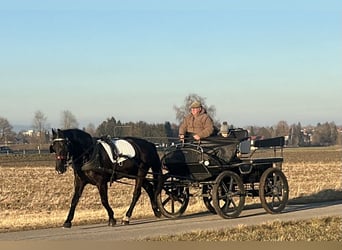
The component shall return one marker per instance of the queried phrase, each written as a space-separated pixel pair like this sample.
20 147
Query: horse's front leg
103 190
136 195
78 190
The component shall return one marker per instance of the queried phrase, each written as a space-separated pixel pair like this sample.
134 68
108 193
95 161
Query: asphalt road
139 229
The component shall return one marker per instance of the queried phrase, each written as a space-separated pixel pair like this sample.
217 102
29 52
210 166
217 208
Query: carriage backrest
271 142
239 134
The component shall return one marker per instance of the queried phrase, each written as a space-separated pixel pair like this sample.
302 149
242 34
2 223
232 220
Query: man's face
195 111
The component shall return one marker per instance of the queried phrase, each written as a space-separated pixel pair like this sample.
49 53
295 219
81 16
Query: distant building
29 132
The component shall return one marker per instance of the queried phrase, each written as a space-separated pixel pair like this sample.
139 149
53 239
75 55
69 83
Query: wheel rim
273 190
173 198
228 195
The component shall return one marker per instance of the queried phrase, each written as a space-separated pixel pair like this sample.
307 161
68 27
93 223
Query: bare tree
39 123
5 130
68 120
183 110
325 134
90 129
282 129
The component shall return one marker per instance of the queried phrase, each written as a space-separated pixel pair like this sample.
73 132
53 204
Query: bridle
61 157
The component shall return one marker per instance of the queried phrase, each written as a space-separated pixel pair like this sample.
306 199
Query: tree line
323 134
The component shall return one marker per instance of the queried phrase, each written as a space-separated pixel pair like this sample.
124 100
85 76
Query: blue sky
257 62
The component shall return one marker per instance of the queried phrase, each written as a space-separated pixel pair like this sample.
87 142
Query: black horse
79 148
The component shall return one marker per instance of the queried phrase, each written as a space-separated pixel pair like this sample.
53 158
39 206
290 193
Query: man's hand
196 137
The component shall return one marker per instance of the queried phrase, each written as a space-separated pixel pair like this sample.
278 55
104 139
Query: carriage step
246 168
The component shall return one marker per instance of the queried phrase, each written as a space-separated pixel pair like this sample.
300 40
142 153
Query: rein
93 165
89 166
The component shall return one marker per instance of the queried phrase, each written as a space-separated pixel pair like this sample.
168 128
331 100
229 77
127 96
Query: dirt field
33 195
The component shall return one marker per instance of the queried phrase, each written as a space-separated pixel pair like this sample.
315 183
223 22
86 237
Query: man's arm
208 127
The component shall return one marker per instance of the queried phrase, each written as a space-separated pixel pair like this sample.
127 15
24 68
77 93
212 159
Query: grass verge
317 229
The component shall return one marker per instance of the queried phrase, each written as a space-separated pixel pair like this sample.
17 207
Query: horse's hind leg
151 193
136 196
103 190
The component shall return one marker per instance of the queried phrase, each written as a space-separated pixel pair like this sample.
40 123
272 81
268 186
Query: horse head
61 147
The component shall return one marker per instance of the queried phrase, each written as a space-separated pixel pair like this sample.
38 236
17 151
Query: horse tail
156 167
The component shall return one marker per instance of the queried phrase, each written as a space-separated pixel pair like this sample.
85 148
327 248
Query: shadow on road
290 208
321 196
293 207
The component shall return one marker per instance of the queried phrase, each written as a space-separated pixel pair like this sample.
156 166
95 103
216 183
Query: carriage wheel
228 195
172 197
208 198
274 190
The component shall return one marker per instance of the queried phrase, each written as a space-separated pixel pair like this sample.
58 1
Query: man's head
224 129
195 107
195 104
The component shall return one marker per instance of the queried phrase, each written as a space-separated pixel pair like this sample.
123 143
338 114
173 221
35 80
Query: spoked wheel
228 195
172 197
274 190
207 190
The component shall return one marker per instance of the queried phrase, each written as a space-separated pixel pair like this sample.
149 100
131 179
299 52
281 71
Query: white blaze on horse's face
60 147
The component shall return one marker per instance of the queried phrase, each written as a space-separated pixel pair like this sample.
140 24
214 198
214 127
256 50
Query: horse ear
53 133
59 133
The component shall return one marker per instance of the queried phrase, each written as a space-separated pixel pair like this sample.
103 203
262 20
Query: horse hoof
124 222
157 213
67 225
111 222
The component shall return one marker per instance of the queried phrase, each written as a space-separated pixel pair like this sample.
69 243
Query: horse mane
82 142
74 133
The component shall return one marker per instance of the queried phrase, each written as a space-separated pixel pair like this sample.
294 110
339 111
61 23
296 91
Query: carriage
226 171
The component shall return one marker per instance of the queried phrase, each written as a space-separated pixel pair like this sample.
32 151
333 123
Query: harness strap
94 165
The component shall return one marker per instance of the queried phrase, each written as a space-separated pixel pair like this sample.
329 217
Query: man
198 123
